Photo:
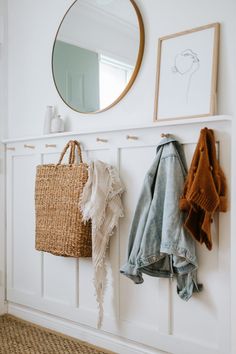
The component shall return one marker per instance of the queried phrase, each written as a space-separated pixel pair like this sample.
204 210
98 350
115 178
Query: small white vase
47 120
57 125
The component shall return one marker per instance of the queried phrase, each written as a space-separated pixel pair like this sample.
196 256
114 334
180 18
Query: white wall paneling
48 289
3 86
2 230
233 244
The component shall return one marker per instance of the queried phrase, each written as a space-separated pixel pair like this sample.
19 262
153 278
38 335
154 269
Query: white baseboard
3 308
84 333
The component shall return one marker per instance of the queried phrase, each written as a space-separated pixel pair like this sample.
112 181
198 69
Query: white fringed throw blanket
101 202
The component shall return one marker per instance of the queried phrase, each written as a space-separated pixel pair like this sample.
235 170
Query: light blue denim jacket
158 243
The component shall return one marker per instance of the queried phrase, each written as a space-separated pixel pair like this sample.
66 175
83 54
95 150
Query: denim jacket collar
166 140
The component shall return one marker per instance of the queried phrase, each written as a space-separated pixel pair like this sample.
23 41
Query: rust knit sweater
204 189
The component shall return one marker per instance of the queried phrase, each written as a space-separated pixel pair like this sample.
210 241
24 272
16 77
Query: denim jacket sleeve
131 268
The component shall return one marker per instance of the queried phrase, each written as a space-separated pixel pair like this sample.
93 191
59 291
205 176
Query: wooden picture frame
186 76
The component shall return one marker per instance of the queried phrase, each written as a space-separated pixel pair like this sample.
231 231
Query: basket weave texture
59 226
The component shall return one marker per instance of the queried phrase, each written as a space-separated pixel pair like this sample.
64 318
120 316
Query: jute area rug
21 337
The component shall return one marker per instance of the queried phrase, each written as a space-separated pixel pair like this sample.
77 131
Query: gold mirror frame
136 69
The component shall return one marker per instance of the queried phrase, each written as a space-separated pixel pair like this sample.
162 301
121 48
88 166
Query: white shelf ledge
161 123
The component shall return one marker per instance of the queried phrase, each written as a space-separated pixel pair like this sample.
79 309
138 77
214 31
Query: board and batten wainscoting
57 292
3 307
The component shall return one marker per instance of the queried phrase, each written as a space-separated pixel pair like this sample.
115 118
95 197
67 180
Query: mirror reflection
97 53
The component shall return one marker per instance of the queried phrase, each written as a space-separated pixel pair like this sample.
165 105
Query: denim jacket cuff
132 272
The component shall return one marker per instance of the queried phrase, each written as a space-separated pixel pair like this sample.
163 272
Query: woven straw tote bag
59 226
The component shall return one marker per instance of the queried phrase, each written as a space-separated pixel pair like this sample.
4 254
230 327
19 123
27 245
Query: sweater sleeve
223 192
183 202
203 190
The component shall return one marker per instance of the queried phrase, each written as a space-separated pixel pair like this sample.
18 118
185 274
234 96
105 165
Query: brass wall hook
29 146
163 135
102 140
50 145
131 137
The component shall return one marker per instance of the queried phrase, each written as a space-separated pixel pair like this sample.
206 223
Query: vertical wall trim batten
42 253
115 161
233 240
77 283
171 307
42 274
224 245
10 228
2 229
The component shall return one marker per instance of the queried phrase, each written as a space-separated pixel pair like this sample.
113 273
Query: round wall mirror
97 53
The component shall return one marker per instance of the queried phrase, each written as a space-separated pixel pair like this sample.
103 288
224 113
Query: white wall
3 69
32 26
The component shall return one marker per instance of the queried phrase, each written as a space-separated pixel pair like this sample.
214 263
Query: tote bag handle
72 144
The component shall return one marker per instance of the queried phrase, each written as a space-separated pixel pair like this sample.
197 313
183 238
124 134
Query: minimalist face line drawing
186 75
187 64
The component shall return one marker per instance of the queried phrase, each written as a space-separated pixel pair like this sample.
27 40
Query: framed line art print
186 80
